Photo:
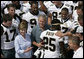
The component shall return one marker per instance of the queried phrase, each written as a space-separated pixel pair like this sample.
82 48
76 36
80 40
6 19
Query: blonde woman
23 42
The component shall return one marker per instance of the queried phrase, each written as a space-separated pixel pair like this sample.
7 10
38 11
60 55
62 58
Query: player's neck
33 12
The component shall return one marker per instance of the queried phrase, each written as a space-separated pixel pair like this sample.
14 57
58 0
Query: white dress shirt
78 53
22 44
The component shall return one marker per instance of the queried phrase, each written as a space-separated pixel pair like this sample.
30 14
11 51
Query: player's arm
70 33
49 18
43 7
37 44
60 34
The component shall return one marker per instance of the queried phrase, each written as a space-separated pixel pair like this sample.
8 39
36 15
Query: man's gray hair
75 40
43 16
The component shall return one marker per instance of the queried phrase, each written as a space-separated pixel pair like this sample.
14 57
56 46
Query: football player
25 6
7 37
52 44
32 16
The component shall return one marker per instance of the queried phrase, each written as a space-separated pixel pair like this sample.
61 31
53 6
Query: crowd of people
41 29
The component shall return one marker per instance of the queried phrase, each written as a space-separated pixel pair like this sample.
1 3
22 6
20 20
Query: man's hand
59 33
40 44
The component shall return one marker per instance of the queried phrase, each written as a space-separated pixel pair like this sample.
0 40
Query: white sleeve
41 36
47 3
81 44
39 53
24 17
6 11
80 29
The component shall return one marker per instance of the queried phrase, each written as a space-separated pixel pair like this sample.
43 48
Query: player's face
41 22
79 12
8 23
23 31
34 8
71 45
81 22
11 11
64 14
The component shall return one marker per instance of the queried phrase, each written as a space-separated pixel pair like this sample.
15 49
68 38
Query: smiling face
23 27
64 14
11 11
71 45
34 8
23 31
74 42
42 21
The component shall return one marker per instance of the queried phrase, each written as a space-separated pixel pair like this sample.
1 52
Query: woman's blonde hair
23 25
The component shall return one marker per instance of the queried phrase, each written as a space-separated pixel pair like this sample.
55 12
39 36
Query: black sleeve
18 17
2 30
74 31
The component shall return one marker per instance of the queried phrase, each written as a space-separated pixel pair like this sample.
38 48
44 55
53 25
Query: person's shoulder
17 37
27 35
44 32
35 27
26 14
81 48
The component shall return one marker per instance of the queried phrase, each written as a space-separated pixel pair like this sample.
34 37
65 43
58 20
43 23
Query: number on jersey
48 45
64 29
7 37
54 15
33 22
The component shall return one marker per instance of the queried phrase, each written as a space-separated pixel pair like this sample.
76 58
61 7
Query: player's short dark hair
7 17
56 24
65 9
10 5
